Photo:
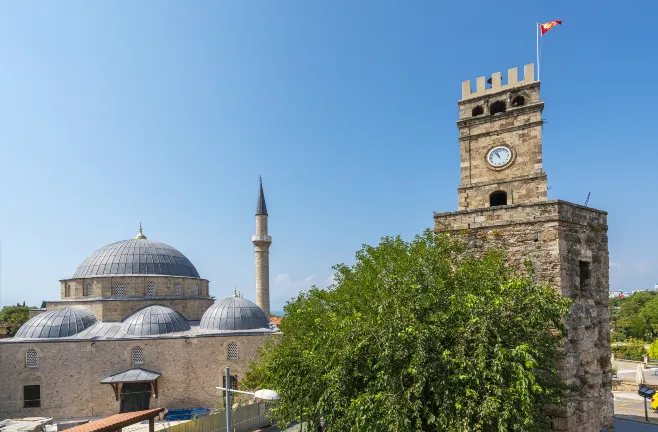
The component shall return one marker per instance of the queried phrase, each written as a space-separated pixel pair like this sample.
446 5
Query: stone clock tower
502 202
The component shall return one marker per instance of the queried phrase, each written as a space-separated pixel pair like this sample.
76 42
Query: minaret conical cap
261 208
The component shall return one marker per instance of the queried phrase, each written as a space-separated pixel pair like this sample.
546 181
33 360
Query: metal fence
246 418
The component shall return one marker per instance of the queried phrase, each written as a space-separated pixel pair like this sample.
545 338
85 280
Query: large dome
154 320
234 314
136 257
58 323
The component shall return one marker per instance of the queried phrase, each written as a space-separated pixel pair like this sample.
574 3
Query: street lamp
267 395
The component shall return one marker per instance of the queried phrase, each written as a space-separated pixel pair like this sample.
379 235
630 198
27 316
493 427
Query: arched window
232 351
31 358
498 198
150 289
67 290
497 107
137 356
89 290
178 290
118 290
478 110
196 289
518 101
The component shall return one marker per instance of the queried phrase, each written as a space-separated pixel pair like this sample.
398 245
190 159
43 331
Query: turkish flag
549 25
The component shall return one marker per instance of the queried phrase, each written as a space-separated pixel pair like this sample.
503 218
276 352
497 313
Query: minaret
262 243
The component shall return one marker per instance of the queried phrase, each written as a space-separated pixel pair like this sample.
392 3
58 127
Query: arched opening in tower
478 110
498 198
518 101
497 107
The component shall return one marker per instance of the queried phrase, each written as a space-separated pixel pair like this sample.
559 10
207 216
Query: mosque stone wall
105 287
562 240
117 309
69 373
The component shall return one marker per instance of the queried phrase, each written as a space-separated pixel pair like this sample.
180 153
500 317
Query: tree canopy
17 315
635 316
418 336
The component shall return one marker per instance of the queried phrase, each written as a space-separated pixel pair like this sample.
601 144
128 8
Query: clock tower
502 204
500 142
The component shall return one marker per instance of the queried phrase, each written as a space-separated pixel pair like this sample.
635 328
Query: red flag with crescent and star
549 25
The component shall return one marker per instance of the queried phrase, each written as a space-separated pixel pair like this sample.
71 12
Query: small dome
154 320
58 323
137 256
234 314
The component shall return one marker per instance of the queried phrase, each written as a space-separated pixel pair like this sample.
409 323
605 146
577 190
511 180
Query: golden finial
140 235
235 292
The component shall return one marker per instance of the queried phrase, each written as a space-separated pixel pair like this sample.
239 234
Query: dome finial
140 235
235 292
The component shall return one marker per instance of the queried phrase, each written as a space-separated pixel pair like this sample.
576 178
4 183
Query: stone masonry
69 372
567 243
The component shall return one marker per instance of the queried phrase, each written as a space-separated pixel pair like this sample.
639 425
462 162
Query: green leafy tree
17 315
418 336
635 316
653 350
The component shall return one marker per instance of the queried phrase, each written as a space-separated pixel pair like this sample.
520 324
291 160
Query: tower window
118 290
583 267
178 290
196 289
31 396
232 351
497 107
89 290
31 358
518 101
234 382
137 356
150 289
498 198
67 290
478 110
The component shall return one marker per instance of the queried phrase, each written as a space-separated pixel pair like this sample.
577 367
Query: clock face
499 156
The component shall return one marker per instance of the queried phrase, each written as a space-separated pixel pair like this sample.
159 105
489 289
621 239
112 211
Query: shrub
632 348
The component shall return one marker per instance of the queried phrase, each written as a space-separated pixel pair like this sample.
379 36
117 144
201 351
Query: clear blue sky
112 113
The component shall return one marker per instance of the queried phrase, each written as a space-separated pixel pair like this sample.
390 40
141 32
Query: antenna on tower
587 200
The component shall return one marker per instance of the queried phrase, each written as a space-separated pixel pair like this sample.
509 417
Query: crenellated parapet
497 82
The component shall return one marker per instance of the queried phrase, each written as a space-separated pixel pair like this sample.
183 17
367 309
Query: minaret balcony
261 239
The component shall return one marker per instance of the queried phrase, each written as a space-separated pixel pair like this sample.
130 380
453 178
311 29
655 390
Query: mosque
135 328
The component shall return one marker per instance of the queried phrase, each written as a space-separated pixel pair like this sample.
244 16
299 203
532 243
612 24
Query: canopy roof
132 376
118 421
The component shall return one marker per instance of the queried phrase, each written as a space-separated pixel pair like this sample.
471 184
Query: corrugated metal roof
117 421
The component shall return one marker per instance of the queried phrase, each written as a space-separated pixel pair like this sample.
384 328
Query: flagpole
537 32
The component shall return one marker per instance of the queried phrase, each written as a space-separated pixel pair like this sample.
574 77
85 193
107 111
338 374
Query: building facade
134 328
502 202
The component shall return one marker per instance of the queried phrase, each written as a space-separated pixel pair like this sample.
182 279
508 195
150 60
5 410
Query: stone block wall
105 287
69 373
118 309
563 240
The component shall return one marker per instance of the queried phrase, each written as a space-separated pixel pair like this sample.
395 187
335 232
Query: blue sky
165 113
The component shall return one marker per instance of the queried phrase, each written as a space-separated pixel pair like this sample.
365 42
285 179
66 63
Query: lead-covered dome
234 314
58 323
138 256
154 320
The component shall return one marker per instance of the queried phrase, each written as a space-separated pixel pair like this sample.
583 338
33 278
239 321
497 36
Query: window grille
150 289
118 290
232 351
178 291
138 356
31 358
234 382
31 396
89 290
